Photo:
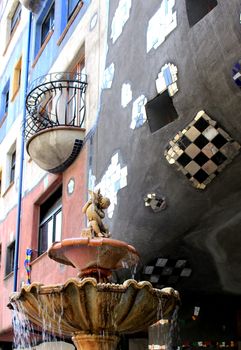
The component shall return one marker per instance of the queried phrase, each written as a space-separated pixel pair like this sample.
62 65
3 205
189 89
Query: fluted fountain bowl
92 312
86 309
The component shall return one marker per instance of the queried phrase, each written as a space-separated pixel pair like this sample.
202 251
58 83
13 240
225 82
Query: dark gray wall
203 226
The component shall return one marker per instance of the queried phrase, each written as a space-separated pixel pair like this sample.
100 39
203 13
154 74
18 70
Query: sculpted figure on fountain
94 210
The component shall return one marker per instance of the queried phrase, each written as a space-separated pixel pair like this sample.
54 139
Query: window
47 24
70 9
6 101
196 10
160 111
50 221
13 166
72 4
75 97
17 77
10 258
15 18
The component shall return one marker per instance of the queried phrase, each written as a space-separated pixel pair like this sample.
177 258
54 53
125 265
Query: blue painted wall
52 50
16 106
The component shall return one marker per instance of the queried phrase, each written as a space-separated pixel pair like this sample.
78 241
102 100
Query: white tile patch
108 76
126 95
138 112
161 24
120 18
167 79
113 180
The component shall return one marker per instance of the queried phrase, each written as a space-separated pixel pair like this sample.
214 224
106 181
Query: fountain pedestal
95 342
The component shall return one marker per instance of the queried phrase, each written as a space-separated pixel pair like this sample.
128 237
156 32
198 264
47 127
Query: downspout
20 185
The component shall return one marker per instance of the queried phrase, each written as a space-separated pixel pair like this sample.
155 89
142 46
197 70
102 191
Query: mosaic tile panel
167 79
108 76
161 24
201 150
114 179
120 18
163 272
138 112
126 94
236 73
156 202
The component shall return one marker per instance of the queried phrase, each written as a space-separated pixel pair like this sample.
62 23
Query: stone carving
94 210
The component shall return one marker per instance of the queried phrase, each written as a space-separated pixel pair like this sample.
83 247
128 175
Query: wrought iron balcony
54 128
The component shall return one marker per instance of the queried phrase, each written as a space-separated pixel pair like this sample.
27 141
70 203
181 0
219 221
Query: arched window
196 10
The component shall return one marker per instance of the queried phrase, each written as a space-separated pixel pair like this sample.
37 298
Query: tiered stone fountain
94 311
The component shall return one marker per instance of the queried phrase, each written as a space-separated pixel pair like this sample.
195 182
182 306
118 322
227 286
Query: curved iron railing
55 99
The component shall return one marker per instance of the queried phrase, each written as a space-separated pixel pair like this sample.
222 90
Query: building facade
150 91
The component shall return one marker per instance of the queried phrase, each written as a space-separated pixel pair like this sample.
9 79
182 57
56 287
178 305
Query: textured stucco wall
193 223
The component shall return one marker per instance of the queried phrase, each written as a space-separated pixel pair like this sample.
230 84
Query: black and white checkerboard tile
164 272
202 150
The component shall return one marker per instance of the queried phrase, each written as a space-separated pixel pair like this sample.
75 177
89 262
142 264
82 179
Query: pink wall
44 270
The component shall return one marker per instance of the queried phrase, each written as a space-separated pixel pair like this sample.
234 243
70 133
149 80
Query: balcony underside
55 149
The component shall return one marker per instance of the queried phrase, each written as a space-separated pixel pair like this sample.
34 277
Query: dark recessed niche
160 111
197 9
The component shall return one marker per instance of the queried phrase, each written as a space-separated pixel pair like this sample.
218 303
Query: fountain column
95 342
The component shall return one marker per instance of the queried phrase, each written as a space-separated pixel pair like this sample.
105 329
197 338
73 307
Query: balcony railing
56 99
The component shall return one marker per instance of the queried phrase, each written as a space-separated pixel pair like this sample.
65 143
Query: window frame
12 166
15 18
17 74
5 101
9 268
71 12
50 217
50 16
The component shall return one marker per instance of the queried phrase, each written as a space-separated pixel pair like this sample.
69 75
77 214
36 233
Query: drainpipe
20 184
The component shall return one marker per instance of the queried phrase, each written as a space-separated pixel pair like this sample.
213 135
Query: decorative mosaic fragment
108 76
236 73
201 150
157 203
162 271
167 79
114 179
120 18
126 95
138 112
161 24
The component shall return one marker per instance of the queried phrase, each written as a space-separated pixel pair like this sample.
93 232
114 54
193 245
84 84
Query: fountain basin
86 307
94 257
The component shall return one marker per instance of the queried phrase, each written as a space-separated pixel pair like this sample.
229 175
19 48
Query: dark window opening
10 258
15 18
13 166
50 221
197 9
160 111
47 25
6 102
72 4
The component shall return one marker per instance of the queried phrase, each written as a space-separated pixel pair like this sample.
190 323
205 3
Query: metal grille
56 99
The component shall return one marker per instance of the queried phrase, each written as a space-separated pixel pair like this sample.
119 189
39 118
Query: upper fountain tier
95 257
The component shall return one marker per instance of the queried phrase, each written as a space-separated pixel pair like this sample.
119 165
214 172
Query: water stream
26 336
